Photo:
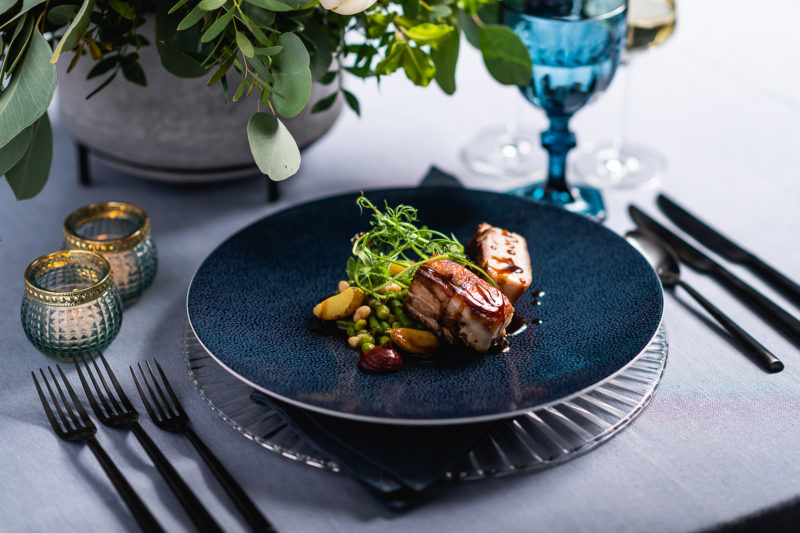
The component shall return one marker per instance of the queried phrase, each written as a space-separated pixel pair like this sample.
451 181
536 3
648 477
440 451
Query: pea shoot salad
369 305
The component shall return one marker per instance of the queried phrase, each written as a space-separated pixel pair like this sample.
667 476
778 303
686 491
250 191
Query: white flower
346 7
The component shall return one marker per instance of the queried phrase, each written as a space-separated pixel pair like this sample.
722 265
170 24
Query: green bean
403 318
373 321
344 324
361 332
385 325
351 332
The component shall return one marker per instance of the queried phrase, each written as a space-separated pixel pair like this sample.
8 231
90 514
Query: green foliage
272 49
274 149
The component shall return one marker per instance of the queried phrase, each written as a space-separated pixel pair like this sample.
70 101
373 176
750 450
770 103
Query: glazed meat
504 256
457 305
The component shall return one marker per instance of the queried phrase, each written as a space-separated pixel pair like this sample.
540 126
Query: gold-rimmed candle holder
71 306
120 232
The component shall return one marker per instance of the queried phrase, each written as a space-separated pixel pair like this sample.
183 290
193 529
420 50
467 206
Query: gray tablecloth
721 438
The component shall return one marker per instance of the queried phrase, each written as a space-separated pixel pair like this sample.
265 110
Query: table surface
719 440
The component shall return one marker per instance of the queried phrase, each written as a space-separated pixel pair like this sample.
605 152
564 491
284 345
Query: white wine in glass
620 163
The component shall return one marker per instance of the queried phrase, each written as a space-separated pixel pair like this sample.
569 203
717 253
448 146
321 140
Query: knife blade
728 249
694 258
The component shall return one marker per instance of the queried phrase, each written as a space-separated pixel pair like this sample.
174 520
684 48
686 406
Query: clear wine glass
575 47
504 151
621 163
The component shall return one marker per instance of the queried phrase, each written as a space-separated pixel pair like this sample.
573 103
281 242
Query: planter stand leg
84 177
272 191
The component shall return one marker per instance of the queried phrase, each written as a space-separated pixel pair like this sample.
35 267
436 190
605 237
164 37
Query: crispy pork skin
504 256
457 305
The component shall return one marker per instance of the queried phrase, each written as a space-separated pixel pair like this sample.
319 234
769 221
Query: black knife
728 249
699 261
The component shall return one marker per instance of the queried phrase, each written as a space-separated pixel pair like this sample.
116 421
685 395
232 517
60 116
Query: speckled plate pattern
250 303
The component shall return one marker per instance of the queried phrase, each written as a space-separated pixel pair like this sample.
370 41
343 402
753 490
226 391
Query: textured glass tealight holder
120 232
71 305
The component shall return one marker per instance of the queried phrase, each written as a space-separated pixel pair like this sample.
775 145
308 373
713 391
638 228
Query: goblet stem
558 141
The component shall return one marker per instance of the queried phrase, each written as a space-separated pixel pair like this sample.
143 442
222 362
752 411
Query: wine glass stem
558 141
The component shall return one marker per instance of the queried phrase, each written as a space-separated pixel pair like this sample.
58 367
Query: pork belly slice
504 256
457 305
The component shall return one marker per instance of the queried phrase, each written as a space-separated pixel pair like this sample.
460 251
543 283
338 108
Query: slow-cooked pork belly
504 256
457 305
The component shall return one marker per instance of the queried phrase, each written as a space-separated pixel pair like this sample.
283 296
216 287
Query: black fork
168 414
118 412
77 426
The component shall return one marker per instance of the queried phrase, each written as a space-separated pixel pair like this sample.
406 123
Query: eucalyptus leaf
175 47
352 101
418 66
75 30
271 5
133 72
427 33
445 57
258 15
505 56
216 28
102 85
269 50
29 92
221 71
244 44
324 103
103 66
240 90
410 8
179 4
210 5
470 28
17 48
30 174
60 15
292 85
192 18
12 152
27 5
124 9
322 48
440 11
274 149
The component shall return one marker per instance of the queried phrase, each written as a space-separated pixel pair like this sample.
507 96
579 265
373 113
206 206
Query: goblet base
503 152
625 166
582 199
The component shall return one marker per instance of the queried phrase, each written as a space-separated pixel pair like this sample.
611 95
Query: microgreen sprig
395 239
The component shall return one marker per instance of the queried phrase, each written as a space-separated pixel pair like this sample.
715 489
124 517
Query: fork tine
146 403
75 400
99 372
122 396
176 404
50 416
153 396
88 390
164 401
65 402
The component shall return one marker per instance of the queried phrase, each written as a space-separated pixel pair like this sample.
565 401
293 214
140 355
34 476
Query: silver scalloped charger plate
535 440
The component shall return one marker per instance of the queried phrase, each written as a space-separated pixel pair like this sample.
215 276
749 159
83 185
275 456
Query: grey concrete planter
174 129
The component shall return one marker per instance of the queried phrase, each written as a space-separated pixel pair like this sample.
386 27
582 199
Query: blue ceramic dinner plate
250 304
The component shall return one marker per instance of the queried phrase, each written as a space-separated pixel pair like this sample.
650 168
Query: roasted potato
415 340
340 305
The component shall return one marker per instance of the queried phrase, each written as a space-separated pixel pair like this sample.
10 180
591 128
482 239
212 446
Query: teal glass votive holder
71 305
120 232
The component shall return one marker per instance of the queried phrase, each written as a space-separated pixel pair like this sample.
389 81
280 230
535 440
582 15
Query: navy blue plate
250 304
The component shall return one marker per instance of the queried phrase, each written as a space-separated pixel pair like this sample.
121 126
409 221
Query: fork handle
251 514
140 512
198 514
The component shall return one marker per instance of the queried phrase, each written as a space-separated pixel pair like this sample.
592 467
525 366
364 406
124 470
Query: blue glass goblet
575 47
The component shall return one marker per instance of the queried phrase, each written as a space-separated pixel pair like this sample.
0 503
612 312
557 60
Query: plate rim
408 421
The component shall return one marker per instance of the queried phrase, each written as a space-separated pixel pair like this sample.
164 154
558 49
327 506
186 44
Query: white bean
343 285
362 313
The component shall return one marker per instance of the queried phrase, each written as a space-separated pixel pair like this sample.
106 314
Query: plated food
414 290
